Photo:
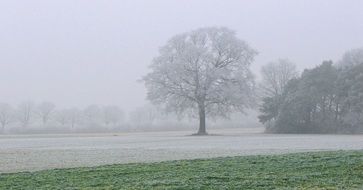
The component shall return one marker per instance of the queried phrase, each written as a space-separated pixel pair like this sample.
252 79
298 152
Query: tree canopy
203 72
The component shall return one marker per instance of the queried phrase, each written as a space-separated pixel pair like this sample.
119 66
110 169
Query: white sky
80 52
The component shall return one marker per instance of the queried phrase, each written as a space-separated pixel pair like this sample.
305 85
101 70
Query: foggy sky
80 52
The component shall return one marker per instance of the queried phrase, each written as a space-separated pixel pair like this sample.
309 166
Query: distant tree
314 100
70 116
325 99
45 111
6 115
145 115
25 112
351 58
93 115
205 71
350 95
276 75
112 115
62 117
270 108
74 116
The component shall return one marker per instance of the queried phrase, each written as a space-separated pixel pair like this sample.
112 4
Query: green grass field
321 170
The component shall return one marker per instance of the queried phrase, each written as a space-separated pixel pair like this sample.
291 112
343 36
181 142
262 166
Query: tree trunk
202 128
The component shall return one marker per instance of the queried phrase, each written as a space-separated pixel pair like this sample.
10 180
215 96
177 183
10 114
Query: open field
38 152
319 170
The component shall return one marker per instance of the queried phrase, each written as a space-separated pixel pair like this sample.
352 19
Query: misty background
77 53
83 60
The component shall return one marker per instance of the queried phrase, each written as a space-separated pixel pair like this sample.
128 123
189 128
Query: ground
318 170
38 152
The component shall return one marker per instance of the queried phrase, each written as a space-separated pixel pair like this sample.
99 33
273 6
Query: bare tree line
28 114
46 117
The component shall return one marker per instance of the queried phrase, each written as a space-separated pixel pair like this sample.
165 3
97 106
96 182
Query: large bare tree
203 72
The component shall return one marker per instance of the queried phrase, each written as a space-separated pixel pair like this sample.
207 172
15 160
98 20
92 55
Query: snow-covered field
37 152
